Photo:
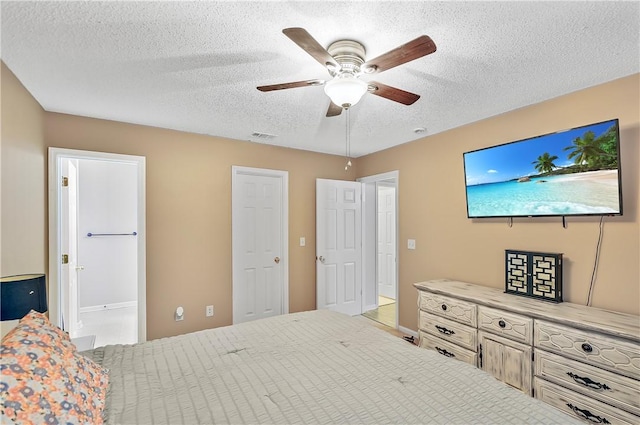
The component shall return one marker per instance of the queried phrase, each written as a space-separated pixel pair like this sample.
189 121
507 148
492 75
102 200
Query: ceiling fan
345 61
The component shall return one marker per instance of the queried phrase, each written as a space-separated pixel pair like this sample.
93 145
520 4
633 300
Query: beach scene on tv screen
564 173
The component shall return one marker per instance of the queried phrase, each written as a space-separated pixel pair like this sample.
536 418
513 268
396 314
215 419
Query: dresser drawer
449 330
606 352
510 325
580 406
600 384
447 349
454 309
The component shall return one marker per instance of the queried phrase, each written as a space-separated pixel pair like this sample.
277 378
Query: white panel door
338 246
69 195
258 247
387 241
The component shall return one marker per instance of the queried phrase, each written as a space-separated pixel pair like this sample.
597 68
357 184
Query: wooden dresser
582 360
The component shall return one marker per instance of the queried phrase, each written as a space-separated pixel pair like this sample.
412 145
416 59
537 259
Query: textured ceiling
194 66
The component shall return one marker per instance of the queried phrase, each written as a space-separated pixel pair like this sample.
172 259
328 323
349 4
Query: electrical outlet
179 314
209 312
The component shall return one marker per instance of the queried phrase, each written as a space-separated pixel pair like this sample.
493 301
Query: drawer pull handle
587 415
444 307
444 352
444 330
587 382
502 324
587 348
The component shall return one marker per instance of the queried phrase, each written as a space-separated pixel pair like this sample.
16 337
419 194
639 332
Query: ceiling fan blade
292 85
392 93
334 110
414 49
302 38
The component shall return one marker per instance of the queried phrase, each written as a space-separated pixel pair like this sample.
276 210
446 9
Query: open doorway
97 289
380 251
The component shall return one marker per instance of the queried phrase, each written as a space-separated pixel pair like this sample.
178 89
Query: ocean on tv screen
590 192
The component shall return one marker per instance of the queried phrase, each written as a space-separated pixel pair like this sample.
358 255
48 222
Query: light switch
303 241
411 244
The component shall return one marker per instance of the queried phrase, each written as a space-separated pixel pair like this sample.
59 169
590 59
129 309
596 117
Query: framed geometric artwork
534 274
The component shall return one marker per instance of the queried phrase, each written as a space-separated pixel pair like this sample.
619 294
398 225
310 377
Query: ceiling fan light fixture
345 90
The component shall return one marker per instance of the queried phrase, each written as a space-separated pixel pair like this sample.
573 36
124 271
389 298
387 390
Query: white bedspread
315 367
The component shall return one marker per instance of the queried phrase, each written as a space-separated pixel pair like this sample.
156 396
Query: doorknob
78 268
321 258
277 260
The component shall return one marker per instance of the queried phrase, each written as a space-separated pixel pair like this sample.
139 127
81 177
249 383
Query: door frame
368 205
55 248
284 181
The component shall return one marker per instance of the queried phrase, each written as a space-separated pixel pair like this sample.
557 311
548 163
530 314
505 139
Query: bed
316 367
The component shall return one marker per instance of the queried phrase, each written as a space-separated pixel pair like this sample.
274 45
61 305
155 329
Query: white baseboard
408 331
111 306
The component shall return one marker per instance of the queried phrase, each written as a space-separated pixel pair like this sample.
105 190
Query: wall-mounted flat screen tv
570 172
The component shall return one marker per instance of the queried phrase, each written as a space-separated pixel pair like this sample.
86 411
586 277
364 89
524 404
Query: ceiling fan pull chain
349 137
348 140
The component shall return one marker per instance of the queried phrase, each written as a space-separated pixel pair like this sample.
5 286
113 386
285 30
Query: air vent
262 136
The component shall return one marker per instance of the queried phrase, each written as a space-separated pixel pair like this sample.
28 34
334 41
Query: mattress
316 367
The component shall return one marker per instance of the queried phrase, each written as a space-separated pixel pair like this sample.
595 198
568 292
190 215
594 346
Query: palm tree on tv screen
585 150
544 163
608 143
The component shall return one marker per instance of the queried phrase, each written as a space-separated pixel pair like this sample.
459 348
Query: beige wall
24 218
189 213
432 206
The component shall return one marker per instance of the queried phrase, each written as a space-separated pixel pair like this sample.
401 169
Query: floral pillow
93 381
44 379
40 323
